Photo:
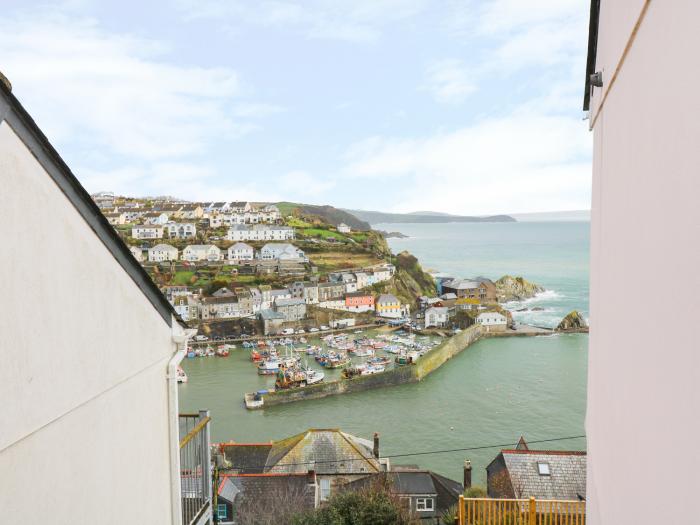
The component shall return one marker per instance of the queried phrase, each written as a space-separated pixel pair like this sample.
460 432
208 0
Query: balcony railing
487 511
195 468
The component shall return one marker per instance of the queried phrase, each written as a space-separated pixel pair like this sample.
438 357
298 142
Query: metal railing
487 511
195 468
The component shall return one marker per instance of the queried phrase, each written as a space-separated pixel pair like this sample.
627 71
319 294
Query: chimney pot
467 474
376 445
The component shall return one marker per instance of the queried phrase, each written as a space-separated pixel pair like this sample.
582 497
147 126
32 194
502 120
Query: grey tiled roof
567 479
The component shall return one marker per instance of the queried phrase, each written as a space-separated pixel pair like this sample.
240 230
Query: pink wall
643 419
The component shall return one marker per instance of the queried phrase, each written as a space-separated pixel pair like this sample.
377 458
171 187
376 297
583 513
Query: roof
12 112
387 298
240 246
461 284
592 51
245 458
269 315
289 302
258 496
198 247
327 451
567 479
224 299
410 480
162 247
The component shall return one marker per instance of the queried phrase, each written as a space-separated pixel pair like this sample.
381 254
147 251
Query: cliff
410 281
573 321
509 288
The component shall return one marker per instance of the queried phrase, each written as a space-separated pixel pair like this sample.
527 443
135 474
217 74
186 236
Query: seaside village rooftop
108 295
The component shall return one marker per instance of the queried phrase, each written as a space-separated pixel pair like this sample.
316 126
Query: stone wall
399 375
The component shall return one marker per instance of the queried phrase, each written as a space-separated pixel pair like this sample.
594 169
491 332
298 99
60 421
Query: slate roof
387 298
327 451
460 284
268 315
246 458
289 302
567 479
256 493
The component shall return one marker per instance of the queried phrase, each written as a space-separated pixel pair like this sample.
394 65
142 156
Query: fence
195 467
486 511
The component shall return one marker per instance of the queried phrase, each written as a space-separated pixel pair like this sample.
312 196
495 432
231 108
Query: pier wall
398 375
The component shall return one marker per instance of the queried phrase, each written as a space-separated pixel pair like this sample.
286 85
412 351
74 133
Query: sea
479 402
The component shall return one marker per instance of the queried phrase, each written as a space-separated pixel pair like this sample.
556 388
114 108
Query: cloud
449 81
300 184
356 21
523 161
256 110
177 179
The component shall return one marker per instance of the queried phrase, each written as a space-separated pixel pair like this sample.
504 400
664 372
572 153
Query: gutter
181 340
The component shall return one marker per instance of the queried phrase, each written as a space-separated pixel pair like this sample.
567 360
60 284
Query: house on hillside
272 321
388 305
437 316
343 228
330 291
259 232
181 230
201 252
291 309
147 232
155 218
282 251
492 321
359 302
481 289
162 253
542 474
115 218
137 252
426 493
241 252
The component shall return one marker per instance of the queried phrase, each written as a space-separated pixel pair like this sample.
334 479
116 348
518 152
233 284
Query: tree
373 506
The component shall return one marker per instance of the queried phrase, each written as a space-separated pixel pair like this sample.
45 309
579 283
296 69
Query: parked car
324 327
201 338
301 331
314 329
288 331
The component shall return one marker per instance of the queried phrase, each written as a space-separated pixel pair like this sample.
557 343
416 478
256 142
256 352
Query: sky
470 107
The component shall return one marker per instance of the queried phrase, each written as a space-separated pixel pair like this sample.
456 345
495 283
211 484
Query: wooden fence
486 511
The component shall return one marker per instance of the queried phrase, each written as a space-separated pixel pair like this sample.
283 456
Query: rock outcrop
509 288
573 321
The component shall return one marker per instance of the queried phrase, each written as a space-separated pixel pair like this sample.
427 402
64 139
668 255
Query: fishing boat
377 360
268 367
364 351
392 349
406 358
181 375
210 352
362 369
313 376
254 400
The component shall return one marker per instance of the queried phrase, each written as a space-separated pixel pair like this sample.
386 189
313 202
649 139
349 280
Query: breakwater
398 375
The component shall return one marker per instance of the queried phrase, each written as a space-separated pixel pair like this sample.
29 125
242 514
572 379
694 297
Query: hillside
322 214
377 217
410 280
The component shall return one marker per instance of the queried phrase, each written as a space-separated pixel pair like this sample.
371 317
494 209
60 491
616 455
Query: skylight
543 469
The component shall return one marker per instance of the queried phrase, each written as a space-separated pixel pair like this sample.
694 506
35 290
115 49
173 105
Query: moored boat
181 375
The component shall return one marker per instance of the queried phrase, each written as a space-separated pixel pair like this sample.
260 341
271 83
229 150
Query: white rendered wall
643 417
84 432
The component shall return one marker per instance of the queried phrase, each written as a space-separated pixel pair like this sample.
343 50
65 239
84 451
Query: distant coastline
377 217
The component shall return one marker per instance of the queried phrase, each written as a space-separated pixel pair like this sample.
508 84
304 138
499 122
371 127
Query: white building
282 252
162 253
137 252
157 218
492 321
643 388
344 228
96 410
147 232
259 232
201 252
436 316
181 230
241 252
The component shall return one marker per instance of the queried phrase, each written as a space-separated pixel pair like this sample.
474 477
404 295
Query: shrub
475 491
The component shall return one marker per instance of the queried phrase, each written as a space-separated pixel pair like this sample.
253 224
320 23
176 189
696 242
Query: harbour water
489 395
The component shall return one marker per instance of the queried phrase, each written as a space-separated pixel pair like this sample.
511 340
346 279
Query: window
221 511
543 469
325 489
425 504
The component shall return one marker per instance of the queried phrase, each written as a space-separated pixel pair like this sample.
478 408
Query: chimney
467 474
376 445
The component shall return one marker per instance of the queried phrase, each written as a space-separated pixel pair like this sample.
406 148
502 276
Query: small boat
268 367
364 352
302 340
379 360
210 352
191 354
392 349
181 375
313 376
222 351
255 356
254 400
